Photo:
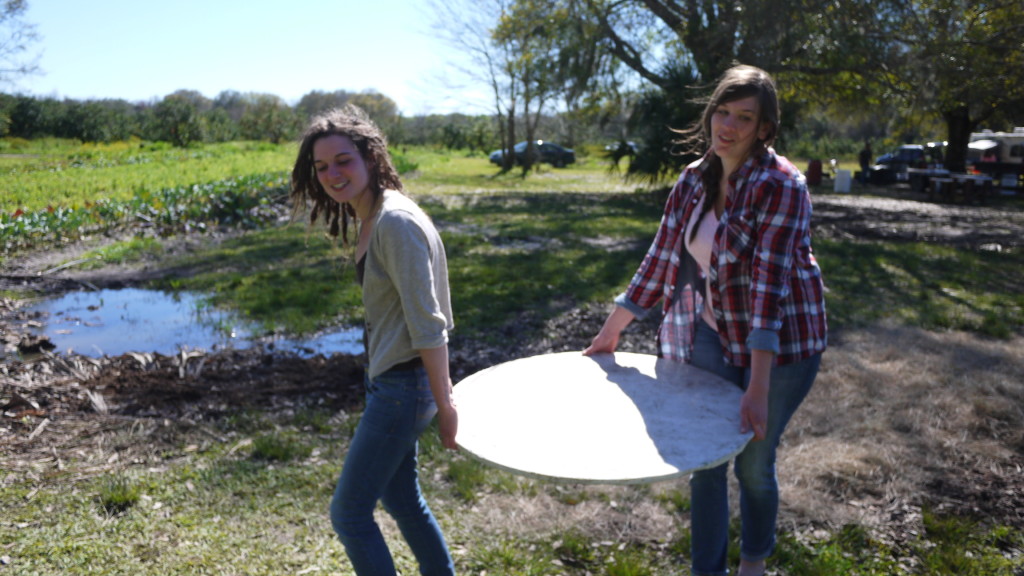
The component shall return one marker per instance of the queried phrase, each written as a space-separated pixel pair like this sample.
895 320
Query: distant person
990 156
343 171
865 162
742 297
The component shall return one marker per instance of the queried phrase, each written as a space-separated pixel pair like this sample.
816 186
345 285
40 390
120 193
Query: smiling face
341 170
736 127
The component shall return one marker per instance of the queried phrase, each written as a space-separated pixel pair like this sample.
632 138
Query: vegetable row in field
246 201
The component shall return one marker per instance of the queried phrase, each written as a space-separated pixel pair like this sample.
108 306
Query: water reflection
114 322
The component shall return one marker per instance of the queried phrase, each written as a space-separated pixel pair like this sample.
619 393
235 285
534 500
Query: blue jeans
754 467
381 466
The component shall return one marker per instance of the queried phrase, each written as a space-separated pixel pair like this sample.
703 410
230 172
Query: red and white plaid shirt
765 284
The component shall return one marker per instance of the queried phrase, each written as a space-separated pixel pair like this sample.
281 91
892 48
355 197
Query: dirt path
53 405
872 218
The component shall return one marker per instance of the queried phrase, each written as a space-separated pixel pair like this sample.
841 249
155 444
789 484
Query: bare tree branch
16 36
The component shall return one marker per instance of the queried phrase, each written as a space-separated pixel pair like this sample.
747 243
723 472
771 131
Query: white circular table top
618 418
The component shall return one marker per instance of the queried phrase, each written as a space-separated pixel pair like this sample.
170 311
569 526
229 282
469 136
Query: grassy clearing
281 279
441 173
900 398
508 252
935 287
123 252
547 253
54 173
292 280
226 507
76 175
539 252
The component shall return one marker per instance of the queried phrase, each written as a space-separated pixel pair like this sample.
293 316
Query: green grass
123 252
279 447
243 202
849 551
292 280
979 550
187 521
255 502
458 173
926 285
118 494
949 545
218 511
281 279
79 175
515 252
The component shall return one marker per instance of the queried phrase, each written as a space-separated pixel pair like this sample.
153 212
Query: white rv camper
1000 154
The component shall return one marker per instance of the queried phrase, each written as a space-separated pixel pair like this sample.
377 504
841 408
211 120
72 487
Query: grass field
247 494
71 175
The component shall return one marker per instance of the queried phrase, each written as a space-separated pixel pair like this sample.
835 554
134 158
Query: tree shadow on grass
923 284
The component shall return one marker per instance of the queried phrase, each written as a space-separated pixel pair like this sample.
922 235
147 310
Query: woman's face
341 170
735 127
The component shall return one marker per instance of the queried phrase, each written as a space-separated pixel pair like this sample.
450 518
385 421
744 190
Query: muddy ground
53 405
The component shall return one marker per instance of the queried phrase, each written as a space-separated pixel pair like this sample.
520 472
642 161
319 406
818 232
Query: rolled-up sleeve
409 261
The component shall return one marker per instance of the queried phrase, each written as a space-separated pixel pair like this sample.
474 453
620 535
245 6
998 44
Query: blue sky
141 50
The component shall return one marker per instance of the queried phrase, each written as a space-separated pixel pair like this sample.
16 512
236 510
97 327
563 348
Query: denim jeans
754 467
381 466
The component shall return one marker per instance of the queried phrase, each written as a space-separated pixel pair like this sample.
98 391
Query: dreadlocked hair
351 122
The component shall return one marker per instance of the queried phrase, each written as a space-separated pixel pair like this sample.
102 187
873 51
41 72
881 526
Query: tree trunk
510 136
959 127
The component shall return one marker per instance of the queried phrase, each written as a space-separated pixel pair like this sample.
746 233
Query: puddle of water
114 322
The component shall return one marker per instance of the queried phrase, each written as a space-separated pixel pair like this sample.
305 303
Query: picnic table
970 187
920 178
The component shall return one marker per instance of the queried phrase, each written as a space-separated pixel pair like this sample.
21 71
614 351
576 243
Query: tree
960 62
530 32
219 125
179 120
7 106
655 37
16 36
383 111
318 101
35 117
98 120
468 26
233 103
268 117
682 46
965 64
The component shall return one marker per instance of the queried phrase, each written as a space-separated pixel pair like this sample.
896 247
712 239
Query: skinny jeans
754 467
381 465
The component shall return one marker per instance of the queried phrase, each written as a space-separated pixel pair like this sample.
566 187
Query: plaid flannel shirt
765 284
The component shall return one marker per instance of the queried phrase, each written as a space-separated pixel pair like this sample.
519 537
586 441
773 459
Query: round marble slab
618 418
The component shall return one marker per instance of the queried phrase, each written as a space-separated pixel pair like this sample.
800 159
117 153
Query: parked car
549 153
892 167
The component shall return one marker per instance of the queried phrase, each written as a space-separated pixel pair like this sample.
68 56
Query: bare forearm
435 361
761 362
754 405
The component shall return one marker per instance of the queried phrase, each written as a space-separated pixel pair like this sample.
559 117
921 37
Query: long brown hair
736 83
352 122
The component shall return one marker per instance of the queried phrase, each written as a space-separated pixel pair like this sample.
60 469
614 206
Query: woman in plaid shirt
742 297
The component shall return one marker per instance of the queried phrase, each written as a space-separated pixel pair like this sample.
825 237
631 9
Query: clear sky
142 50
